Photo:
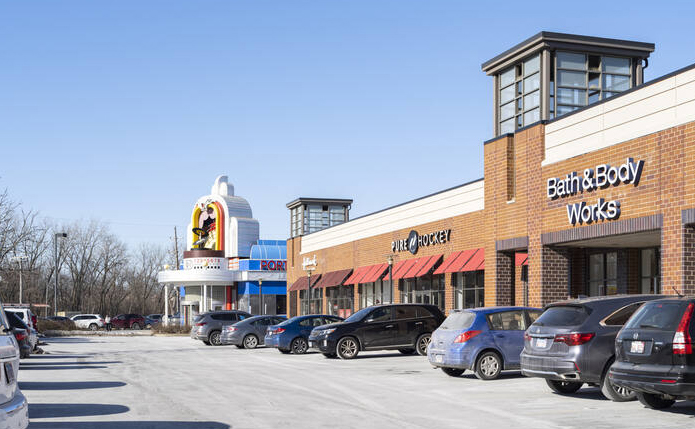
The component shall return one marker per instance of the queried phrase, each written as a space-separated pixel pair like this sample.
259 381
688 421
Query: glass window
382 314
614 82
616 65
571 96
406 312
507 95
532 65
561 110
571 78
424 290
563 316
650 280
663 316
340 300
621 316
532 83
532 116
469 289
507 126
532 100
568 60
507 77
533 315
375 293
507 321
458 320
507 110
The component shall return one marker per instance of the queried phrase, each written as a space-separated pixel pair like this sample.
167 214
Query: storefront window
424 290
469 288
340 300
375 293
312 306
603 274
650 278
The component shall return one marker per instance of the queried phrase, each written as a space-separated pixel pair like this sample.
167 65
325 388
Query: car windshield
567 315
458 320
287 322
663 316
356 317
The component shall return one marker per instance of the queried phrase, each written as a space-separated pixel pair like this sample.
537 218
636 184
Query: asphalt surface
179 383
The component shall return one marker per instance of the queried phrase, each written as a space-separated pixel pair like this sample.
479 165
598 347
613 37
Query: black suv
654 353
207 327
573 342
403 327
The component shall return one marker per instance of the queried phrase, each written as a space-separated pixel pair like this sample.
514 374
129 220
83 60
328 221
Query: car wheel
422 342
564 387
347 348
239 346
93 327
488 366
283 351
299 346
135 326
616 393
656 402
453 372
329 355
250 341
206 342
407 351
215 338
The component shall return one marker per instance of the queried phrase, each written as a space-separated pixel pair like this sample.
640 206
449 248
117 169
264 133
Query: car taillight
681 340
576 339
201 324
280 330
462 338
231 328
33 320
527 337
20 336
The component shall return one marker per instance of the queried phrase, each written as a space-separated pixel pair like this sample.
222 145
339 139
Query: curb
53 333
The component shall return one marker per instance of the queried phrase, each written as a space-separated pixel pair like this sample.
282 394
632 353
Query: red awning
356 276
477 261
520 259
402 267
421 266
302 284
447 262
375 272
461 261
333 278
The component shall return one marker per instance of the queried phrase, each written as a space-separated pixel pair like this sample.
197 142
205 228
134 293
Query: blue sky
126 111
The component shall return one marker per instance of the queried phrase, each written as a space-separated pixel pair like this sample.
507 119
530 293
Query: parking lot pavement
179 383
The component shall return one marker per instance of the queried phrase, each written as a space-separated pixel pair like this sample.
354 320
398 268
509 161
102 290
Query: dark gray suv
208 326
573 342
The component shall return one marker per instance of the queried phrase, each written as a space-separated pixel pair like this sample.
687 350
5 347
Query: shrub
171 329
52 325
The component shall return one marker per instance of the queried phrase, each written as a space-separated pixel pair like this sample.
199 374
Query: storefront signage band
415 241
603 176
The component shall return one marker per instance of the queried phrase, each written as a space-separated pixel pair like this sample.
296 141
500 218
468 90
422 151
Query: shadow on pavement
505 375
381 355
40 411
155 424
59 356
68 385
53 367
25 363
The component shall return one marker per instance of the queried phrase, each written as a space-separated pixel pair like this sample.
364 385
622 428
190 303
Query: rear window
621 316
198 318
562 316
458 320
663 316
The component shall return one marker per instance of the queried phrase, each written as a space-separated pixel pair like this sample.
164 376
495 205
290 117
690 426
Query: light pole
56 236
20 258
309 269
260 295
389 259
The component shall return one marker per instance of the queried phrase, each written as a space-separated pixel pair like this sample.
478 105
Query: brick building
587 190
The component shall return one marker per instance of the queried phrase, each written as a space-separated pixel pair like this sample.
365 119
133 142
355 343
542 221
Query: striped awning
417 267
459 261
368 274
302 283
520 259
333 278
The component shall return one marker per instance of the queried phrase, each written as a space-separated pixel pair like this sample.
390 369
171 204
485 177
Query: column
166 304
554 275
504 278
204 306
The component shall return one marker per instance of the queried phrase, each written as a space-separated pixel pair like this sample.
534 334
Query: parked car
59 318
249 333
128 321
484 340
64 323
573 342
14 410
291 336
21 334
207 327
88 321
24 313
403 327
150 323
654 353
32 334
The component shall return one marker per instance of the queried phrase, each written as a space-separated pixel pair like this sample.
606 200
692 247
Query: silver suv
14 411
207 327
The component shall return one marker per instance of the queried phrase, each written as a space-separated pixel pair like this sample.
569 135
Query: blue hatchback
292 335
485 340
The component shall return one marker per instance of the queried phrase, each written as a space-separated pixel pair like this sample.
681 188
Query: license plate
439 358
637 347
9 373
541 343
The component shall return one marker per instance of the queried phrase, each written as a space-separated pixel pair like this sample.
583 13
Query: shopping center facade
587 190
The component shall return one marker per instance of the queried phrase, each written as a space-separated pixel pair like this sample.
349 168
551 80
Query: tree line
97 272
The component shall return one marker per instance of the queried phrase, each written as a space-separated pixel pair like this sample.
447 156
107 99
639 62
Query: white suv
91 321
23 315
14 411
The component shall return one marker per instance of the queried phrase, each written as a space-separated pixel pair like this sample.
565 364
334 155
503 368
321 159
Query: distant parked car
292 335
25 314
88 321
21 334
403 327
654 353
128 321
59 318
14 409
484 340
249 333
150 322
573 342
207 327
32 333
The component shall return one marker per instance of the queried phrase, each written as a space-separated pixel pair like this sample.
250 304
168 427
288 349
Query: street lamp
260 295
389 260
20 258
56 236
309 269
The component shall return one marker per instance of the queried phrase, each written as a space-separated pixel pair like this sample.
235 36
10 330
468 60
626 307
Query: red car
128 321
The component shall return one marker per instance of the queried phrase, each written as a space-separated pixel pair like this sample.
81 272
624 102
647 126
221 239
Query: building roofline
302 200
550 38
